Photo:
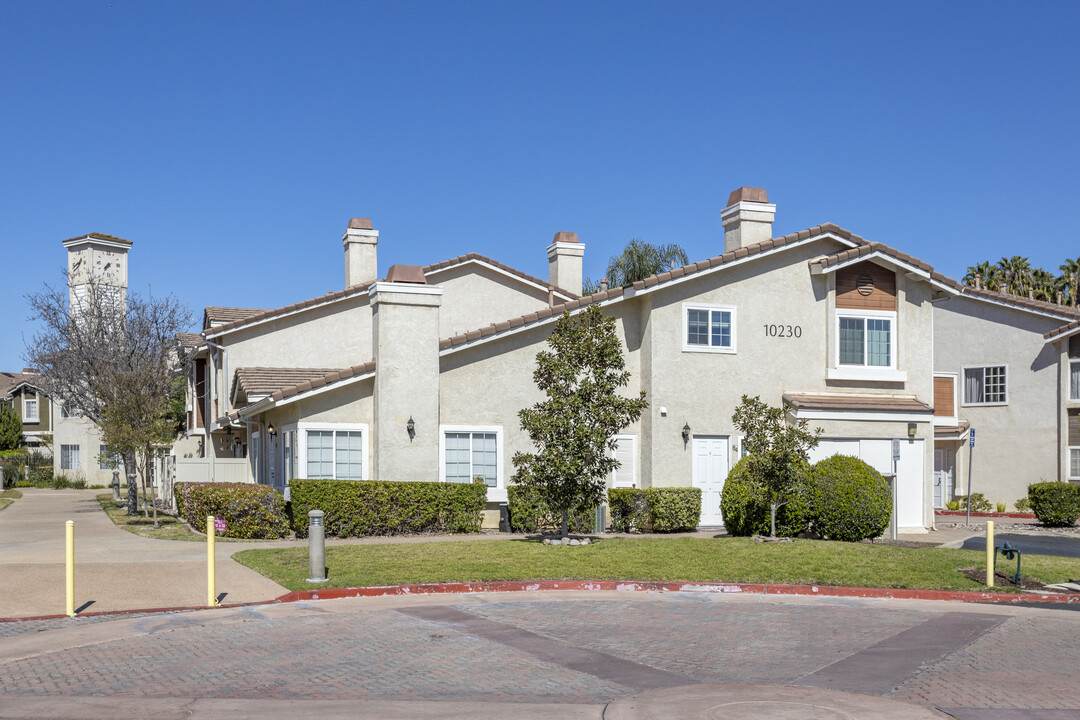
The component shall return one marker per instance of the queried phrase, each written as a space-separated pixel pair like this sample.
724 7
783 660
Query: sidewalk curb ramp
996 598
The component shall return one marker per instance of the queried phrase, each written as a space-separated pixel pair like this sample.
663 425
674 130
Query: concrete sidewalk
114 569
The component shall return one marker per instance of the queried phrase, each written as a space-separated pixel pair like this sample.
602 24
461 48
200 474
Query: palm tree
1044 285
640 259
984 275
1070 280
1016 272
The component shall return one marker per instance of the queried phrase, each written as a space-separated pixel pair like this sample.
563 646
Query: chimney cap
406 274
748 194
566 237
360 224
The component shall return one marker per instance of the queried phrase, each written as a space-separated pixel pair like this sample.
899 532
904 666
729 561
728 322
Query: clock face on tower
107 267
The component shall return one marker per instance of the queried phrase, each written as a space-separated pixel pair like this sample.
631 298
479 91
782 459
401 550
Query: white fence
212 470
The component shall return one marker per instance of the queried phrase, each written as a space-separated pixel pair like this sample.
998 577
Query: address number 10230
783 331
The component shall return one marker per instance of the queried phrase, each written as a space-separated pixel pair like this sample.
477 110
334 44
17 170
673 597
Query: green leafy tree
638 261
1070 281
1044 285
777 450
10 428
573 429
1016 274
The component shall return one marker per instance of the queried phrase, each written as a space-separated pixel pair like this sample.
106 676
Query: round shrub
851 500
1056 504
744 503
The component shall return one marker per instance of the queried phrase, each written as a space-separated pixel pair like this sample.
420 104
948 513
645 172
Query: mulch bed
1005 580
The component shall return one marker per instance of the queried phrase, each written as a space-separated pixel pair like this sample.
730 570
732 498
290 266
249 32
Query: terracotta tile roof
190 341
11 380
254 381
1063 330
856 402
1063 311
954 432
227 315
99 236
312 378
868 248
249 316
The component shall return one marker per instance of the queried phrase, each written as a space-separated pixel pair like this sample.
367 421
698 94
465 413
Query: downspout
224 398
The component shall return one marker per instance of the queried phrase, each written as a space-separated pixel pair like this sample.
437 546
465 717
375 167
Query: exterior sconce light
270 429
411 428
912 428
685 434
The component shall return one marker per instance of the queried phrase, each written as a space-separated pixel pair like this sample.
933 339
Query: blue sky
231 142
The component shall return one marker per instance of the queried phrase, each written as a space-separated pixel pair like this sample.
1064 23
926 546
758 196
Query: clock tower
97 259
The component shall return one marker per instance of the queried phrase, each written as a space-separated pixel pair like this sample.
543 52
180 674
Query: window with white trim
1074 380
335 454
470 451
866 339
709 328
986 385
30 409
1074 463
69 457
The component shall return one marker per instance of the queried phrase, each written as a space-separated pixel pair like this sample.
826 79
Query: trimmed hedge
1056 504
628 510
658 509
744 504
529 513
355 508
851 500
250 511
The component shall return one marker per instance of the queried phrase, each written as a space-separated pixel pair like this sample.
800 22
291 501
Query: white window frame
963 379
954 418
496 493
1074 366
621 437
1074 472
29 402
303 428
687 347
107 461
78 453
864 372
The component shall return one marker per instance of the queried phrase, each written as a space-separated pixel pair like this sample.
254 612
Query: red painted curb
737 588
963 513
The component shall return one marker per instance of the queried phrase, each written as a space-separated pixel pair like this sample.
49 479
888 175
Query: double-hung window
1074 463
1074 380
470 453
866 339
107 460
986 385
335 454
69 457
709 328
30 409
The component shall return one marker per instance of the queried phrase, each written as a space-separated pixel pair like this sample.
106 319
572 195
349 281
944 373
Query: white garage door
878 454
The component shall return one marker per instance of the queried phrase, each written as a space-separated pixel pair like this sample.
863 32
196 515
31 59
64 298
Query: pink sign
219 524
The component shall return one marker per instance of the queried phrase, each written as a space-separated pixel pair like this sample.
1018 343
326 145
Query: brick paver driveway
531 650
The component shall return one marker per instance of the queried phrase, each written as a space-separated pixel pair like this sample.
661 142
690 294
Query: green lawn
804 562
170 527
8 496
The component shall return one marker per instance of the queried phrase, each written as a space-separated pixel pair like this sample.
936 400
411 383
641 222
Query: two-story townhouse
1002 370
22 393
837 328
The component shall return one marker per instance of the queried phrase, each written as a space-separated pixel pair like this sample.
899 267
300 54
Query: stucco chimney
361 266
405 338
747 218
565 255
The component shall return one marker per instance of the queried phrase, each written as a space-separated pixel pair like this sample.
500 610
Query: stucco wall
475 296
1016 444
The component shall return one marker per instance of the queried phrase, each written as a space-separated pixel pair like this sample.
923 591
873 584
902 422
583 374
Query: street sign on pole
971 456
971 440
896 448
895 479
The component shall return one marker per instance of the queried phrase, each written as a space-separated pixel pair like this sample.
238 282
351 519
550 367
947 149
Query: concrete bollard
116 486
316 547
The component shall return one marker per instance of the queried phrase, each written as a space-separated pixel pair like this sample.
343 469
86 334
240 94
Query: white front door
710 471
943 476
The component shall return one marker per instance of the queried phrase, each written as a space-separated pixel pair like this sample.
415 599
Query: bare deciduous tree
114 357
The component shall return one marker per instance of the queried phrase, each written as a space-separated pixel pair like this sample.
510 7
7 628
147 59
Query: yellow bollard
211 591
69 575
989 553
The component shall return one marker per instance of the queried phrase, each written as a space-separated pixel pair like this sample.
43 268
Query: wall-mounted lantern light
411 427
912 428
685 433
270 429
